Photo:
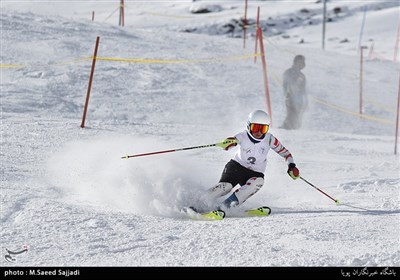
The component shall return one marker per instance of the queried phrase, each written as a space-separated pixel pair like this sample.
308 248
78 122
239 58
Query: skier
294 88
250 161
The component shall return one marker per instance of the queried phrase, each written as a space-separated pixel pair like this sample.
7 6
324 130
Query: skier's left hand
228 143
293 171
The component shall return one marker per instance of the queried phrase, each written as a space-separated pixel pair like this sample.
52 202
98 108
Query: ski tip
220 213
194 214
258 212
214 215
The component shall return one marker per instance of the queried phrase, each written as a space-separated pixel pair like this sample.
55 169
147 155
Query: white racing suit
247 168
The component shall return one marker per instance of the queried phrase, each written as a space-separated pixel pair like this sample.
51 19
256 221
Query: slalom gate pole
257 26
170 151
397 119
90 82
335 200
264 68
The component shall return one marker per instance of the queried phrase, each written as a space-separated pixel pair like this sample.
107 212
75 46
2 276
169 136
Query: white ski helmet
257 117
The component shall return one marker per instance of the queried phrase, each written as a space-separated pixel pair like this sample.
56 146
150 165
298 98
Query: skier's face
257 134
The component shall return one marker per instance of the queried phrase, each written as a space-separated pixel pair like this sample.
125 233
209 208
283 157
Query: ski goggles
255 127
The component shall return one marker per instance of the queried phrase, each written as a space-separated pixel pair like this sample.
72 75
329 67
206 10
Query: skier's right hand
228 143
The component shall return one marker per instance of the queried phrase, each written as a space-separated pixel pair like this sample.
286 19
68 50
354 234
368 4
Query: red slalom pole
123 12
397 120
264 68
257 26
90 82
335 200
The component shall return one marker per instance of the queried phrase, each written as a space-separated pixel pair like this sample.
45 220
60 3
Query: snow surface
67 194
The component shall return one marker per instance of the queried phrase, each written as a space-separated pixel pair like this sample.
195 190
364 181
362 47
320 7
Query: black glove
293 171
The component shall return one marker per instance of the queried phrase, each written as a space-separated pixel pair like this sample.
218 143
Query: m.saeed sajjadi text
41 272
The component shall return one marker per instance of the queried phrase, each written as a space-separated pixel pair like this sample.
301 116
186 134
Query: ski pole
220 144
335 200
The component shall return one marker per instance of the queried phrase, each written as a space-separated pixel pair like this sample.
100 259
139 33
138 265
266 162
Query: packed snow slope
67 194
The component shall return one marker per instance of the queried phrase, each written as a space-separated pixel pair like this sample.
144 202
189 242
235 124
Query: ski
258 212
192 213
205 216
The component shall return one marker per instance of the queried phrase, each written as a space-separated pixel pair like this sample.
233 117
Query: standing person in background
294 87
